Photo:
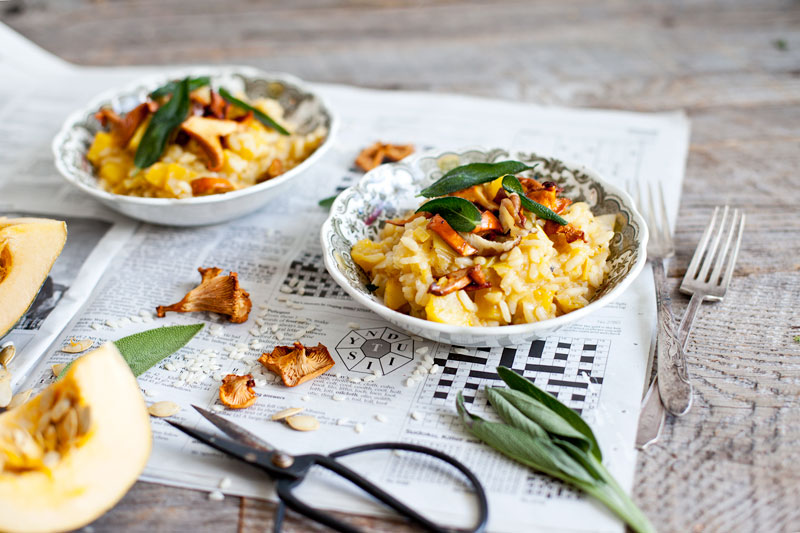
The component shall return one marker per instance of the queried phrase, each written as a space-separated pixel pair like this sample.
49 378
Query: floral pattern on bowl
390 191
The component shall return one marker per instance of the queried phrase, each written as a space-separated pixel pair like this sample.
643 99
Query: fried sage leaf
466 176
327 202
165 121
260 115
546 435
512 185
171 87
462 215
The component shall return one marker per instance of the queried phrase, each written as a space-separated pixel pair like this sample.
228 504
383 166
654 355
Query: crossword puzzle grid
564 367
312 278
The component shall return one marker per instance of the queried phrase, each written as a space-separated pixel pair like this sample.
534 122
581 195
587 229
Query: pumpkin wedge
69 454
28 249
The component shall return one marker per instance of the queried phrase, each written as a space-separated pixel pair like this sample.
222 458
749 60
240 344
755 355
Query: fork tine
651 213
709 259
734 254
691 270
666 230
716 273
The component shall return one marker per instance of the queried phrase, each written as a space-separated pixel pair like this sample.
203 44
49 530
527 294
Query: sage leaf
165 121
512 415
327 202
466 176
512 185
538 453
461 214
170 87
260 115
146 349
538 413
519 383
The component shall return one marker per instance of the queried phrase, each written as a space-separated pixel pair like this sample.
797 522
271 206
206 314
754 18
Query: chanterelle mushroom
216 293
297 364
123 128
207 131
469 279
237 392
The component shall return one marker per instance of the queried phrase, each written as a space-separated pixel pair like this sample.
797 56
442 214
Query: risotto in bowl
479 248
198 146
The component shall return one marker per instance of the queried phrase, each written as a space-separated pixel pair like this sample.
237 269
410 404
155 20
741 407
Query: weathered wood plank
732 463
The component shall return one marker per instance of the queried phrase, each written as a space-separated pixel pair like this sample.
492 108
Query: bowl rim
158 79
490 331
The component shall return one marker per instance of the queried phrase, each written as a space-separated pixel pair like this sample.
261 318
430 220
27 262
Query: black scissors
289 471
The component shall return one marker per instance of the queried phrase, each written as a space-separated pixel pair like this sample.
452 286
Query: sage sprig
461 214
546 435
512 185
172 86
260 115
165 121
466 176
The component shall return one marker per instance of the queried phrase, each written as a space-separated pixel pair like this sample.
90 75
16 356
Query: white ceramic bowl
303 107
389 191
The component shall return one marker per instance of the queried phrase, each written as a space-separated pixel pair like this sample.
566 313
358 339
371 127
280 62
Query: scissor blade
234 430
243 452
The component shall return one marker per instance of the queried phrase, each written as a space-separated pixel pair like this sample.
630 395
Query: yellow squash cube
448 310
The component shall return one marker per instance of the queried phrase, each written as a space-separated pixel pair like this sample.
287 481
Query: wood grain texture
733 463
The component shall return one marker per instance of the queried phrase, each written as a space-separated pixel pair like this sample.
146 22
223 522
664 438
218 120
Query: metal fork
700 280
672 375
702 286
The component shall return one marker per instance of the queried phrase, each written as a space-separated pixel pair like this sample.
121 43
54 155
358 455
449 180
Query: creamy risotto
218 148
517 268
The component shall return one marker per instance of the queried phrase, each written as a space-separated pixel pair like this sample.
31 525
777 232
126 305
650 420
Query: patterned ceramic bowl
389 191
302 106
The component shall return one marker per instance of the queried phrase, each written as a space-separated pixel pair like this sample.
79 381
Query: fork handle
687 321
673 378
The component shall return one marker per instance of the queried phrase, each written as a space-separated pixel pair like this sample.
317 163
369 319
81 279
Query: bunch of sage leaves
461 214
169 117
546 435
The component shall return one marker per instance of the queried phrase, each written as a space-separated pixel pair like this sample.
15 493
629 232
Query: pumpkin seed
7 354
50 437
58 368
20 398
78 346
280 415
84 419
163 409
46 399
26 444
51 459
60 409
44 421
67 429
303 423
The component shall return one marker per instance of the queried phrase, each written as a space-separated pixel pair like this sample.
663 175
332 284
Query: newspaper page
597 366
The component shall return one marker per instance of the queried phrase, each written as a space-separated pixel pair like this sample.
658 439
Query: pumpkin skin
97 468
28 249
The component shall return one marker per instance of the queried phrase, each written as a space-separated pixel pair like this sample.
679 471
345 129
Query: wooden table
732 463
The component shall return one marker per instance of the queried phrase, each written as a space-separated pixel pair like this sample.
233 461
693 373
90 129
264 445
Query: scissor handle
284 489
